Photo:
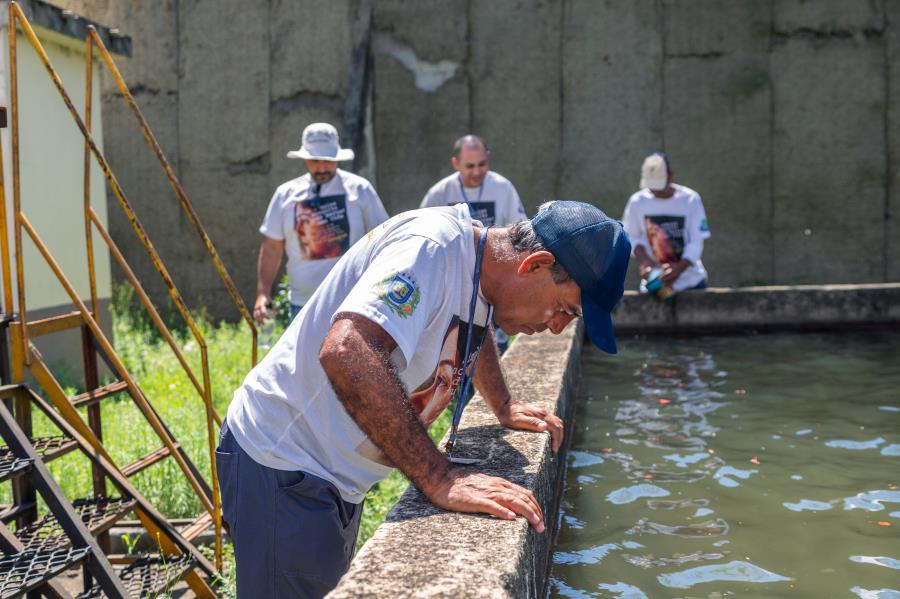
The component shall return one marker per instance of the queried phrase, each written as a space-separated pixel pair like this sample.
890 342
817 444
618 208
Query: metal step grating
50 447
29 569
10 465
97 513
149 576
46 447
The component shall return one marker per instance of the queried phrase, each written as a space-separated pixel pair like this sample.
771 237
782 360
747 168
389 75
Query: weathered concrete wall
798 307
829 151
782 114
227 87
421 551
778 112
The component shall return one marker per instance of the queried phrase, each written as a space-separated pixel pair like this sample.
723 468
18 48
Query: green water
755 466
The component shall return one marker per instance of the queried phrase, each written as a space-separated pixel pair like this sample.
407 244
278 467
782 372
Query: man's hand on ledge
462 491
519 416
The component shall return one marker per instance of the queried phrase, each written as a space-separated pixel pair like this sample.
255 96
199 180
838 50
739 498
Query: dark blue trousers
292 532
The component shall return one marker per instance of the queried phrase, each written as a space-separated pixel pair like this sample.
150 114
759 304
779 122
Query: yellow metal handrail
183 200
21 345
117 364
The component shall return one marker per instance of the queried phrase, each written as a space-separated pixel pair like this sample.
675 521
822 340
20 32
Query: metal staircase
39 545
65 535
37 553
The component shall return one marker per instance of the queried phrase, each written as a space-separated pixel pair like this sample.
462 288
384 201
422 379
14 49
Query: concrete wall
227 87
782 114
779 113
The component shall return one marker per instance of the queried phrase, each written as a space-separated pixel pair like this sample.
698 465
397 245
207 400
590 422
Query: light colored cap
654 173
320 142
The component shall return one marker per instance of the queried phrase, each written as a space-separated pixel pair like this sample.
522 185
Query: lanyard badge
465 198
465 382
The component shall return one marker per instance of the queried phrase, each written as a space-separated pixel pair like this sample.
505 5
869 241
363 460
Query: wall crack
429 76
259 165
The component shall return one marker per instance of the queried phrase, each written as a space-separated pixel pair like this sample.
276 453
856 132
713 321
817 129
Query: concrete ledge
422 551
801 307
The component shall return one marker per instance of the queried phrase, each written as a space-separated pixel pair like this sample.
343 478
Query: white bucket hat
320 142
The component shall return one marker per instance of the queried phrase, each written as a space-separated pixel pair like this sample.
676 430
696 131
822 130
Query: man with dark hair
667 224
401 326
491 197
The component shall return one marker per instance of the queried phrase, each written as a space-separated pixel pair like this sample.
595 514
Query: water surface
751 466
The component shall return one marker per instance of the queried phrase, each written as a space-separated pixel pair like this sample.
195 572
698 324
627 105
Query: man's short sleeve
400 290
516 209
273 222
434 197
374 209
699 225
634 228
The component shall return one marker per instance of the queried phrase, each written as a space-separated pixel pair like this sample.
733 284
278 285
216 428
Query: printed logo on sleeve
704 225
400 292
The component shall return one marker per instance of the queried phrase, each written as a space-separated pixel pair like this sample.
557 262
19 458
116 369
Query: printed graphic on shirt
666 236
483 211
400 292
704 226
437 391
322 226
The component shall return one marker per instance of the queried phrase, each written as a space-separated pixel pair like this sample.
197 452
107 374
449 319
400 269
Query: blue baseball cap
594 250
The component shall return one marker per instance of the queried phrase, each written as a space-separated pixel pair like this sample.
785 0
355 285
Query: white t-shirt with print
670 229
494 203
318 227
412 276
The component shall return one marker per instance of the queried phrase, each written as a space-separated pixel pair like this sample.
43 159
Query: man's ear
454 162
532 263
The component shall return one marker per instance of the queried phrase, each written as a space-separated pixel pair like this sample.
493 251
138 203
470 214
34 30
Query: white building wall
52 166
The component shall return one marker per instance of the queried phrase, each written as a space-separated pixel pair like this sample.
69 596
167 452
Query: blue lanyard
466 381
465 198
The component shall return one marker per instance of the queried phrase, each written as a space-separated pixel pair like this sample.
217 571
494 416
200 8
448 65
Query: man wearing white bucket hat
667 225
313 219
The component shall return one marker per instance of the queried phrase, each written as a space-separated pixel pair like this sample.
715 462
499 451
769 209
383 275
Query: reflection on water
757 466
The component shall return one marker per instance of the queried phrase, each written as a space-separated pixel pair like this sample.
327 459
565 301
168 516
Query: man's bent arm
489 377
269 260
646 261
511 414
356 359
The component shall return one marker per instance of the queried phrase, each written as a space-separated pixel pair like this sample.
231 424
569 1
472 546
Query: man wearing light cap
403 325
313 219
667 225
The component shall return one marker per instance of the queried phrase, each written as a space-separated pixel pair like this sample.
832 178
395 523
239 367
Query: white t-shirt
317 228
413 277
670 229
495 202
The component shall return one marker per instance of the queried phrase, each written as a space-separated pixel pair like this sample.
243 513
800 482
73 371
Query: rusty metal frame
24 355
183 200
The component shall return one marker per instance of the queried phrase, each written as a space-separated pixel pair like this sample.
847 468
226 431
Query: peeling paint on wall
429 76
